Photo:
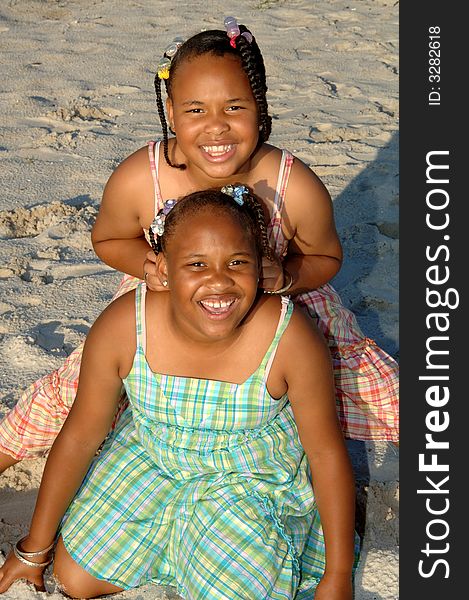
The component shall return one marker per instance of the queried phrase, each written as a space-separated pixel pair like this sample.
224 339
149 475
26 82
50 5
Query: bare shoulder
306 196
128 195
302 354
309 215
302 340
305 188
265 165
117 319
267 161
302 177
266 309
132 170
113 334
301 330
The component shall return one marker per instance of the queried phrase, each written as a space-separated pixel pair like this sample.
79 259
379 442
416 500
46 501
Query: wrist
35 546
341 569
287 284
38 557
338 574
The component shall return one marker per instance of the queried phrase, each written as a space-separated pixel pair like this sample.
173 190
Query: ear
162 269
169 110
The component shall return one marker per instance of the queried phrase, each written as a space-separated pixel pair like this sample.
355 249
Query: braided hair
250 216
216 42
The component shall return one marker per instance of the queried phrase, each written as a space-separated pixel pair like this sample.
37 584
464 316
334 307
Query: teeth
217 150
216 304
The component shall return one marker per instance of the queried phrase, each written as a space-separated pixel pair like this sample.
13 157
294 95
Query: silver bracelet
29 563
283 289
32 554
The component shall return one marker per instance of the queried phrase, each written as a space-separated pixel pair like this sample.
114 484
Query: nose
216 123
219 280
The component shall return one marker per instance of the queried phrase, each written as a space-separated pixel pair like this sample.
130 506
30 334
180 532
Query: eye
234 108
197 264
237 262
196 111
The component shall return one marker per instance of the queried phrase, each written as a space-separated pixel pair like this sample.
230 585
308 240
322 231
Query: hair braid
255 207
155 241
164 124
253 65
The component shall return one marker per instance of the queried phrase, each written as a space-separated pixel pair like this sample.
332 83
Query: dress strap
276 237
140 295
282 180
154 156
285 315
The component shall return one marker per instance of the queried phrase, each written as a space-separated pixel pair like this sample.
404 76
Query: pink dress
366 377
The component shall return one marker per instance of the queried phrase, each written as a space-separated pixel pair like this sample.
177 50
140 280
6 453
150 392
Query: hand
272 277
334 587
151 273
13 570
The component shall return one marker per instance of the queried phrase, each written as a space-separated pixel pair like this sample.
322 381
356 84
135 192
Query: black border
425 128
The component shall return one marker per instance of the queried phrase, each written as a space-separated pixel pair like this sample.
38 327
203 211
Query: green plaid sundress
203 485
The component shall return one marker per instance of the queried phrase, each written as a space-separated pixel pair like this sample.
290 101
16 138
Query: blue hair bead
236 192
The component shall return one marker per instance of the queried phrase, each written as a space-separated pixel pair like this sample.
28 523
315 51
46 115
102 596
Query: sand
77 97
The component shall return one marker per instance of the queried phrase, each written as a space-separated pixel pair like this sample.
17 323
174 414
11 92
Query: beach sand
77 97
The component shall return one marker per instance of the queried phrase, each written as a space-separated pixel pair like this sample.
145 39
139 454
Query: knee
67 572
73 580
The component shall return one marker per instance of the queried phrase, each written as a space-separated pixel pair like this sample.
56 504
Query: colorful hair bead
164 63
173 47
163 67
236 192
232 30
157 225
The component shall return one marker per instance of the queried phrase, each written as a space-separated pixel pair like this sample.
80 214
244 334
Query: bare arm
314 251
311 393
84 430
127 201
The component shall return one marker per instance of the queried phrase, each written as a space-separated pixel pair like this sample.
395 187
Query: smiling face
212 268
215 117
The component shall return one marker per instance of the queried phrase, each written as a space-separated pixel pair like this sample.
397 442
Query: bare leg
6 461
74 580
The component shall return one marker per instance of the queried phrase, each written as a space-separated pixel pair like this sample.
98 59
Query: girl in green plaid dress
204 484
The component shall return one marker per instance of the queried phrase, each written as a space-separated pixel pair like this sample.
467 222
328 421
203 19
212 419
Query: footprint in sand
57 337
329 85
9 314
30 222
42 271
114 90
60 239
326 133
61 140
82 109
35 348
21 352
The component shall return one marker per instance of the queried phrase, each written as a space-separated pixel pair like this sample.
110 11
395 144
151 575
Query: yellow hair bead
162 69
163 73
